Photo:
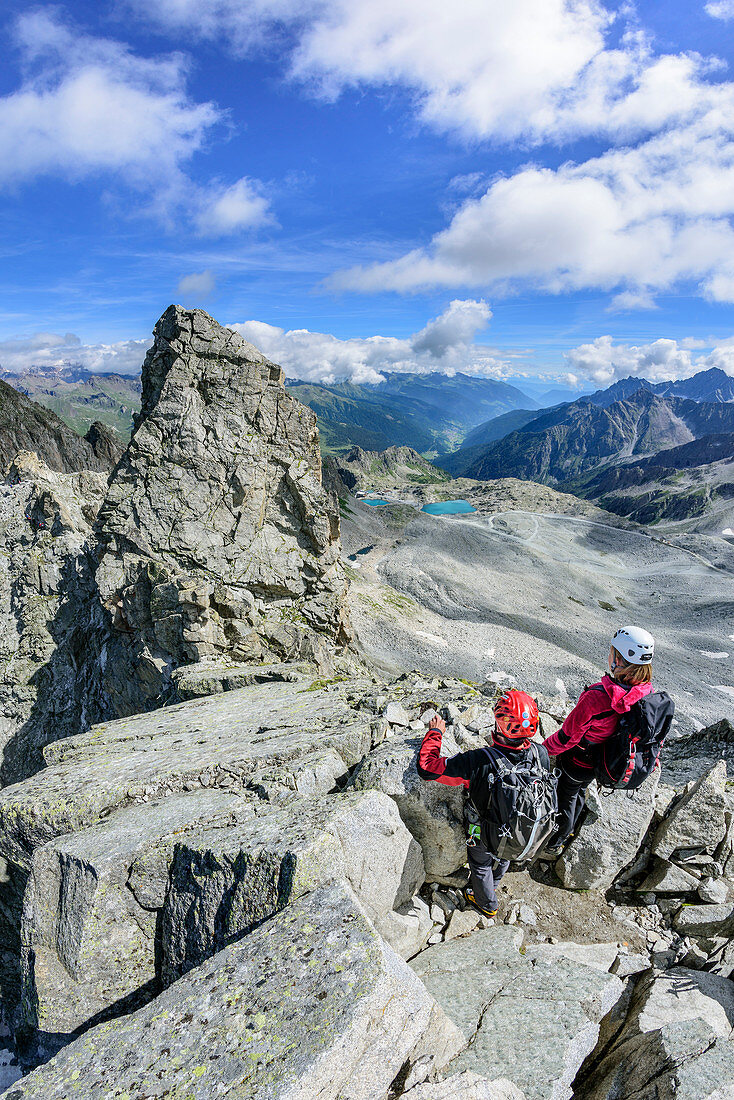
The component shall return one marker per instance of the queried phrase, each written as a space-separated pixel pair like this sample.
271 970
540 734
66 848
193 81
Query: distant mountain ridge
708 385
572 439
430 413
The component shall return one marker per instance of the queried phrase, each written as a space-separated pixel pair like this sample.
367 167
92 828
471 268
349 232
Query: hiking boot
471 900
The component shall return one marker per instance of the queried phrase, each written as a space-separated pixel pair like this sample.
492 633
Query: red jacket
590 720
457 771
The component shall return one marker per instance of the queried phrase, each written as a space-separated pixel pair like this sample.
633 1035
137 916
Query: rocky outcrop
675 1042
216 536
312 1003
107 445
45 579
615 826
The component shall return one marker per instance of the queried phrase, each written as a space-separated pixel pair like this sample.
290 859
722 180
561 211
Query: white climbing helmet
634 645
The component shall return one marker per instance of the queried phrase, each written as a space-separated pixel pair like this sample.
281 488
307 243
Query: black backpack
624 761
517 804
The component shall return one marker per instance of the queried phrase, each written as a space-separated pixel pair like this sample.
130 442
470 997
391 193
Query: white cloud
89 107
225 210
197 286
604 362
637 219
530 69
49 350
632 299
445 344
721 9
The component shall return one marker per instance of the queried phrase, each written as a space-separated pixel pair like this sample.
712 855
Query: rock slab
531 1018
312 1003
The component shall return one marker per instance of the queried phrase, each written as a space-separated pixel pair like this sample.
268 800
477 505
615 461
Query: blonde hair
631 674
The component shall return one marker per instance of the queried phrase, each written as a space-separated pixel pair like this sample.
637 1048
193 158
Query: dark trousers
571 799
485 873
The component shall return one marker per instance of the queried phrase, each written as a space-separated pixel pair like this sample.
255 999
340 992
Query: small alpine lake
375 503
448 507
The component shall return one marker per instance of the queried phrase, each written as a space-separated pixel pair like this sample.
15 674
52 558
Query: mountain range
624 446
430 413
80 397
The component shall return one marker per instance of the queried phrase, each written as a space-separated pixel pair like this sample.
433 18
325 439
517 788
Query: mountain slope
429 413
80 397
26 426
477 441
573 439
680 483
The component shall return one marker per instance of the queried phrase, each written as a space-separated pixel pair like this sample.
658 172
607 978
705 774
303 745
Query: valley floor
537 596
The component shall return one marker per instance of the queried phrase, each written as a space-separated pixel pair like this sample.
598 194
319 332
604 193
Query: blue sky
516 187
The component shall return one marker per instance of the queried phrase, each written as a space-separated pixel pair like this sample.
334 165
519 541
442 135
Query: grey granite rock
226 881
682 994
705 920
216 535
610 837
667 878
311 1004
432 811
509 1006
675 1042
714 891
698 819
269 737
465 1086
90 929
45 576
685 1060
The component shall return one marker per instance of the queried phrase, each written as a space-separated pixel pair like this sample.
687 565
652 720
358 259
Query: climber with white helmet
594 721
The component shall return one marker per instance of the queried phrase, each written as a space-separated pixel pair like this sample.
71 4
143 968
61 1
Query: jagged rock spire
216 535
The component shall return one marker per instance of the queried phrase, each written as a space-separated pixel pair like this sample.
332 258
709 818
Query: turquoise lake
375 503
448 507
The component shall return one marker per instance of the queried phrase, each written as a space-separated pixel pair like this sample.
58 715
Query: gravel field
537 596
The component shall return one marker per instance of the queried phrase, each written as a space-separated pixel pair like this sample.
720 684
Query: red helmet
516 715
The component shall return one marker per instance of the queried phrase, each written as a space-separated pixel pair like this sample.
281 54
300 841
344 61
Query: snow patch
728 533
726 690
432 637
713 656
561 688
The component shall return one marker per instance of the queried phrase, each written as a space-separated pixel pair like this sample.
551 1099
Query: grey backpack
517 804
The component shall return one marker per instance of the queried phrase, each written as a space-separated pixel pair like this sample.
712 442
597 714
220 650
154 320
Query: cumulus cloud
445 344
604 362
197 286
638 219
532 69
225 210
49 351
90 106
721 9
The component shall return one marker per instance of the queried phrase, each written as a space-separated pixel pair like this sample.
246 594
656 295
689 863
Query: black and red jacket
466 768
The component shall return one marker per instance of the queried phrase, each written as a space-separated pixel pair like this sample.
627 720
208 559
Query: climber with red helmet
594 720
511 807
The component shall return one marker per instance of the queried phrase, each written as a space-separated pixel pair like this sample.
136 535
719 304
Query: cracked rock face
216 535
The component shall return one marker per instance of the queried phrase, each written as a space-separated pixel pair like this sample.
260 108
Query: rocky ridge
222 894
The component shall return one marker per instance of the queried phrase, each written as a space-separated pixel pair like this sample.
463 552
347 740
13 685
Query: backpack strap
498 762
